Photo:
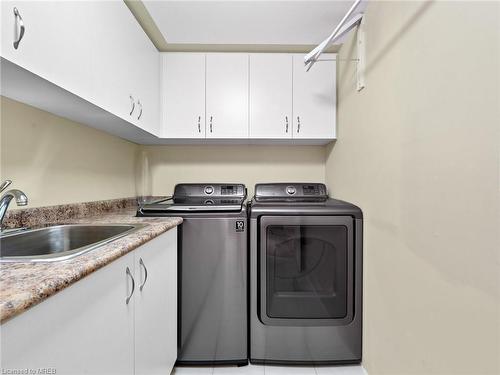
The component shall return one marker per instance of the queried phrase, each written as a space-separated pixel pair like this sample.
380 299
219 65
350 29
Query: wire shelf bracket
361 61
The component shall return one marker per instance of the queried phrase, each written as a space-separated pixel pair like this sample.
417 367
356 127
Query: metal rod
353 60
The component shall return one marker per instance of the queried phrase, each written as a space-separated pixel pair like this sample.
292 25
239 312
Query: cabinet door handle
141 262
132 101
286 124
19 19
211 121
298 124
199 124
140 112
133 285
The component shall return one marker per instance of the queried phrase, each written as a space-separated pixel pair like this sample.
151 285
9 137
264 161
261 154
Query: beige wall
418 150
55 161
58 161
246 164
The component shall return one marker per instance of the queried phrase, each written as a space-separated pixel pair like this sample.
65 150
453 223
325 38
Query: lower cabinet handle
140 113
298 124
21 28
211 120
133 285
132 101
141 262
286 124
199 124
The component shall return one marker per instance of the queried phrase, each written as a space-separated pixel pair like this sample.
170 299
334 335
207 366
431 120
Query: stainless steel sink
59 242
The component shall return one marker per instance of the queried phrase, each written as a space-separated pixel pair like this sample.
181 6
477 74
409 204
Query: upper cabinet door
32 50
270 95
146 75
54 43
112 56
124 66
183 95
314 98
227 95
111 64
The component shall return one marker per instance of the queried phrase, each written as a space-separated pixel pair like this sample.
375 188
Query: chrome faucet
18 195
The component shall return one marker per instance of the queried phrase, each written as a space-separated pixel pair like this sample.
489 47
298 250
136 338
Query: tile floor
271 370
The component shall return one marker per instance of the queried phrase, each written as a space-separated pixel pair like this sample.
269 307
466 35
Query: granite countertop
23 284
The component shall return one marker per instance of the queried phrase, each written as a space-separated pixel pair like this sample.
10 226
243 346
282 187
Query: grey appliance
305 276
213 286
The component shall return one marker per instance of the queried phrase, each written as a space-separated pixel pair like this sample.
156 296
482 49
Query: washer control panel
308 192
210 190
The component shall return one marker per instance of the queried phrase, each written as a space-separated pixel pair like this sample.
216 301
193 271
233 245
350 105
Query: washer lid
200 204
207 197
291 192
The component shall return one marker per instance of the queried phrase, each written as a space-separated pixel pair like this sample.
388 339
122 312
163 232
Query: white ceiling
255 22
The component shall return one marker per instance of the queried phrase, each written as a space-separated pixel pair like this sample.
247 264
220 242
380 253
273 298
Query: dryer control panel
304 192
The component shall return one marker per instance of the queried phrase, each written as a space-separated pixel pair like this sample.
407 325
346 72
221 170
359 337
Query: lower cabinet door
87 328
156 305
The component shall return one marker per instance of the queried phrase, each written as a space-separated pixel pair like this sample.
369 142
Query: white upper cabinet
314 99
96 51
54 44
147 79
227 95
270 95
93 49
125 67
28 29
183 95
266 96
111 61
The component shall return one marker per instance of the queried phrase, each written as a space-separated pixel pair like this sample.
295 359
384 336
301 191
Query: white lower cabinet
156 305
88 328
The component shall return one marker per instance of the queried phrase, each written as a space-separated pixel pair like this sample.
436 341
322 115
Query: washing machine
213 255
306 264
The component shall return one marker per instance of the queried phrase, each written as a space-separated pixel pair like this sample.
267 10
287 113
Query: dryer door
306 270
